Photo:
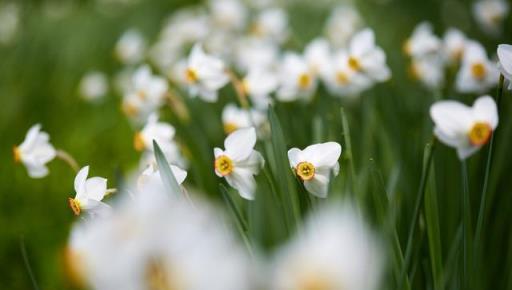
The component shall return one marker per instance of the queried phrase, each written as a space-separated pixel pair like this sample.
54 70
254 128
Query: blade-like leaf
166 174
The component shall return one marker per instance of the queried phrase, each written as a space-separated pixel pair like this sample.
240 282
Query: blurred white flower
335 250
505 62
318 55
234 118
430 71
228 14
93 86
367 58
271 24
239 162
462 127
35 151
150 178
423 42
162 133
252 52
342 80
130 47
490 14
454 44
314 165
186 27
477 73
89 193
297 81
205 74
258 84
343 22
9 22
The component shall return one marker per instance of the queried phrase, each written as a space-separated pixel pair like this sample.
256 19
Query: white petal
466 151
318 186
243 181
323 154
80 179
505 57
294 156
240 143
485 109
37 171
217 152
254 162
96 208
362 42
451 117
31 136
96 187
179 174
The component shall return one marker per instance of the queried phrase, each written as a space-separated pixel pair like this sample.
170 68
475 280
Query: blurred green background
59 41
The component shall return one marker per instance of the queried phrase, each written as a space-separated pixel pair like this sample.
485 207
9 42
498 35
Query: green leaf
234 209
166 174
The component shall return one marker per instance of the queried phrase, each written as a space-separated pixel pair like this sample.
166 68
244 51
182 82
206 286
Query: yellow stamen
73 267
341 78
75 206
478 71
304 81
130 110
315 283
141 94
354 64
138 142
191 75
230 127
157 277
224 165
480 134
305 170
406 48
17 154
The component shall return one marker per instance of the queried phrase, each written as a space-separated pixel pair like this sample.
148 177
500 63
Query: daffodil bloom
205 74
477 73
423 42
334 250
131 47
258 84
162 133
35 152
366 57
430 71
93 86
314 164
490 14
89 193
454 44
341 25
505 62
239 162
297 81
342 80
465 128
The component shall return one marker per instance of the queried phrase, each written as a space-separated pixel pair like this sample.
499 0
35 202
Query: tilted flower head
258 84
239 162
35 151
423 42
505 62
205 74
93 86
314 164
89 193
335 250
366 57
454 44
297 81
162 133
343 22
490 14
234 118
131 47
477 73
462 127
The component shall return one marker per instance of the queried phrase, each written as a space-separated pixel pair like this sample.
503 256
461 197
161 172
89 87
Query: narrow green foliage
166 174
348 150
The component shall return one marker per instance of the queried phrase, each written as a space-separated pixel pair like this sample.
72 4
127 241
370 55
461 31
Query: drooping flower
314 164
365 57
423 42
490 14
477 73
297 81
89 193
505 62
239 162
93 86
465 128
131 47
35 152
258 84
205 74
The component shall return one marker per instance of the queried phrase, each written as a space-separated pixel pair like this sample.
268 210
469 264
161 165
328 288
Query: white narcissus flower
314 164
335 250
490 14
454 44
505 62
239 162
430 71
423 42
228 14
477 73
342 80
258 84
35 151
205 74
93 86
343 22
318 55
367 58
131 47
162 133
89 193
297 81
271 24
462 127
234 118
253 52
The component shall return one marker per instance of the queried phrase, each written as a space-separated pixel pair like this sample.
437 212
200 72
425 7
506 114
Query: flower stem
465 222
239 89
68 159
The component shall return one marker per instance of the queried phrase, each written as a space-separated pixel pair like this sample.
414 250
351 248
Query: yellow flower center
311 281
130 110
304 81
157 278
16 152
354 64
230 127
141 94
138 142
191 75
305 170
478 71
75 206
480 134
73 267
224 165
341 78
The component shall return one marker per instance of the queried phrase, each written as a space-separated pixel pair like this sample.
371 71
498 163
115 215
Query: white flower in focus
93 86
89 193
234 118
490 14
462 127
271 24
505 62
239 162
205 74
228 14
335 250
423 42
454 44
343 22
130 48
367 58
297 81
258 84
35 151
150 178
314 164
318 55
430 71
9 21
477 73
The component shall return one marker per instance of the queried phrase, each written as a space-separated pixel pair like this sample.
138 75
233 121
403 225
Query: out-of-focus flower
505 62
342 80
239 162
9 22
429 71
454 45
93 86
162 133
335 250
258 84
314 164
477 73
490 14
297 81
366 57
234 118
35 151
131 47
271 24
150 178
318 55
228 14
205 74
252 52
89 193
343 22
462 127
423 42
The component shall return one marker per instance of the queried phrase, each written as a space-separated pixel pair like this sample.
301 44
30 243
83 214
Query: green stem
465 224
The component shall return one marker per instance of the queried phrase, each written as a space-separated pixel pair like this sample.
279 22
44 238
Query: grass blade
348 150
165 171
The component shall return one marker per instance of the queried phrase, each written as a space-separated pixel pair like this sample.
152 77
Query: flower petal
96 187
240 143
485 109
505 57
319 185
179 174
254 162
294 156
451 117
242 180
80 179
323 154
